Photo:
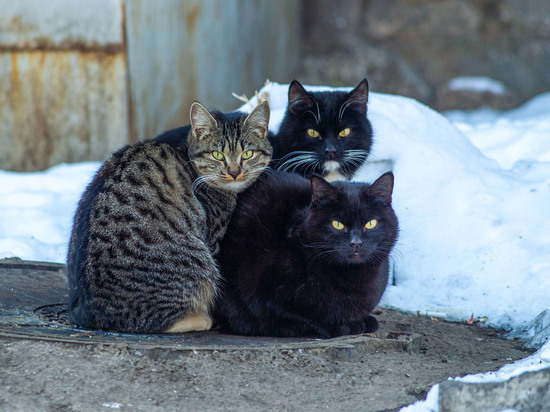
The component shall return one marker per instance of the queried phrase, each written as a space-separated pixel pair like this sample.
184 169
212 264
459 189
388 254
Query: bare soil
37 375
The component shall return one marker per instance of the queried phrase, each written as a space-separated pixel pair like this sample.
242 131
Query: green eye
247 155
217 155
371 224
337 225
313 132
345 132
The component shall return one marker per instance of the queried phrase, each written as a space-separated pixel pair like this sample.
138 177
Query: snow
472 192
478 84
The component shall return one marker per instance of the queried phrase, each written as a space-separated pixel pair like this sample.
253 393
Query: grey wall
80 78
414 47
62 82
181 51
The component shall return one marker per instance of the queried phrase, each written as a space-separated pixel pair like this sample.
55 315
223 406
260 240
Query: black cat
306 257
327 133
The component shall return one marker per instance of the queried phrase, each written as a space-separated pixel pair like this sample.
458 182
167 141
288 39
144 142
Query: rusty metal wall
62 82
185 50
80 78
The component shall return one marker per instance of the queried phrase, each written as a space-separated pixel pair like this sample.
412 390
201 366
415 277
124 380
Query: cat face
350 223
324 132
229 151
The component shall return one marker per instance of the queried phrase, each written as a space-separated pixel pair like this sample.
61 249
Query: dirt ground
50 376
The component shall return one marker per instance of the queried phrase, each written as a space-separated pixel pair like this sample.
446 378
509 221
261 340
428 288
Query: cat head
350 223
324 132
229 151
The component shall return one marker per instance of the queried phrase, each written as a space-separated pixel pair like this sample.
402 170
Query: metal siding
60 106
62 82
80 78
180 51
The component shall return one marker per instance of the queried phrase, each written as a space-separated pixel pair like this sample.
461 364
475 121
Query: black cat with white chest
327 133
305 257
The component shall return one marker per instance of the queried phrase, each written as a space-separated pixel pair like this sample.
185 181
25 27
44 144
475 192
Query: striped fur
141 255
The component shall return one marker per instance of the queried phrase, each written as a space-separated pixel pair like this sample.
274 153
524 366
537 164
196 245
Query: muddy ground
51 376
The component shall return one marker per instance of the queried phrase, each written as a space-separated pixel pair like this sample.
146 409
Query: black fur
288 272
328 113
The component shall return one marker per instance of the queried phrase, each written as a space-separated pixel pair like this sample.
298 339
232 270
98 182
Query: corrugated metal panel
185 50
60 24
80 78
60 106
62 82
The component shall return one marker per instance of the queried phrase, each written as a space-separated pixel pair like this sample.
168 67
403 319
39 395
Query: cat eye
247 155
313 132
345 132
337 225
217 155
371 224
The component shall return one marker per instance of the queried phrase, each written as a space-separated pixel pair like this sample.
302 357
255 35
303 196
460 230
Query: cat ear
298 98
201 120
358 97
382 188
322 192
259 118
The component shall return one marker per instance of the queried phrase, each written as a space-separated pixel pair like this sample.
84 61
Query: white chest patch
331 166
334 176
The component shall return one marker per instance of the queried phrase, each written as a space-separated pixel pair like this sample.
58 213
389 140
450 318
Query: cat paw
371 324
351 328
194 322
367 325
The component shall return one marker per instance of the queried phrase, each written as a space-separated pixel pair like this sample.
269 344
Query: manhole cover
33 296
54 314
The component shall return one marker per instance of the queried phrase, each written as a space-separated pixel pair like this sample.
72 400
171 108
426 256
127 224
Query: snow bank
472 193
475 236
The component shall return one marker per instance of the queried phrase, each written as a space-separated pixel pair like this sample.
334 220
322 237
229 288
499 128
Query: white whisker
307 159
291 154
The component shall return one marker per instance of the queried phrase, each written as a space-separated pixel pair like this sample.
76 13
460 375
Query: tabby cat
306 257
327 133
141 255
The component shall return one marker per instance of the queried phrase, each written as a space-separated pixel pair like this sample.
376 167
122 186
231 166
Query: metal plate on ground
33 296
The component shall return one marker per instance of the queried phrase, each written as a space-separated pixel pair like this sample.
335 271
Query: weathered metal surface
61 25
79 78
185 50
62 82
33 296
60 106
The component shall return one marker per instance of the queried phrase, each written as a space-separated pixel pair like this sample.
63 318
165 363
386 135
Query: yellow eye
371 224
217 155
345 132
247 155
337 225
313 132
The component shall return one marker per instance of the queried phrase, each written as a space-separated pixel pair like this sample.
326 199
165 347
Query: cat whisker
325 256
203 180
299 162
355 155
265 174
353 159
292 154
353 151
321 250
317 116
343 109
313 166
258 173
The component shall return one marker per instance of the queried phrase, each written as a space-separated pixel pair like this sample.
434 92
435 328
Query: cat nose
330 151
355 242
234 173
